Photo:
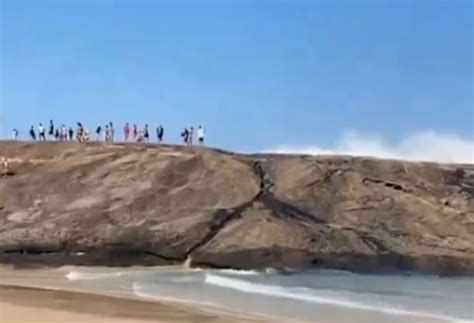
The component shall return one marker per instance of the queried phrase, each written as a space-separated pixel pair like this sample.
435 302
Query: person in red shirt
126 132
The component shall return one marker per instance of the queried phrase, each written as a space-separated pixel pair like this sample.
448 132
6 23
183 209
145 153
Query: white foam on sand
236 272
308 295
76 275
140 291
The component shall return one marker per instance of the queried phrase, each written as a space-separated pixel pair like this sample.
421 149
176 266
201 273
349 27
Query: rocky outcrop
65 203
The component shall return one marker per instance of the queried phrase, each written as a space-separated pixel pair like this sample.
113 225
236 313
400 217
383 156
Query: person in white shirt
86 135
107 133
201 135
41 132
64 132
112 132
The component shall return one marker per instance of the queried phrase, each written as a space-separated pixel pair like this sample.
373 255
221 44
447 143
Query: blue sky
256 74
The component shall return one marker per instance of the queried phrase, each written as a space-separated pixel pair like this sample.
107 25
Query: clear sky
256 74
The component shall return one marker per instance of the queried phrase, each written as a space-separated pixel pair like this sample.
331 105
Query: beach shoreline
43 295
103 294
31 304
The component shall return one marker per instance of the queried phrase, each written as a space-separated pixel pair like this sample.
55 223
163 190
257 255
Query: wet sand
24 304
43 295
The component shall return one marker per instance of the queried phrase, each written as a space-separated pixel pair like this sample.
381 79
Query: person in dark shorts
71 134
201 135
185 136
51 129
135 132
41 132
32 133
160 132
146 134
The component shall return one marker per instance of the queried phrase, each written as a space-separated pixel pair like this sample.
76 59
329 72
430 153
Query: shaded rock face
136 204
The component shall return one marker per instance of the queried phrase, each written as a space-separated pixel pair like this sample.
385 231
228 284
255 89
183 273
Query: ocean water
312 296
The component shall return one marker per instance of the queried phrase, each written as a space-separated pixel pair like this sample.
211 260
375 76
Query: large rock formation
66 203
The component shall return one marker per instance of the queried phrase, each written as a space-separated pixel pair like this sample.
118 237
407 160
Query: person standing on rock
160 131
64 133
107 133
135 132
41 132
185 135
85 136
80 132
201 135
32 133
98 132
71 134
191 134
112 132
126 132
146 133
51 129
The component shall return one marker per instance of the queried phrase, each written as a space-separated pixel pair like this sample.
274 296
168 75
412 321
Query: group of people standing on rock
60 133
105 133
141 135
188 135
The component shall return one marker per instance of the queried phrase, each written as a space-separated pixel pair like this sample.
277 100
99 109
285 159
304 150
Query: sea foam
236 272
76 275
308 295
